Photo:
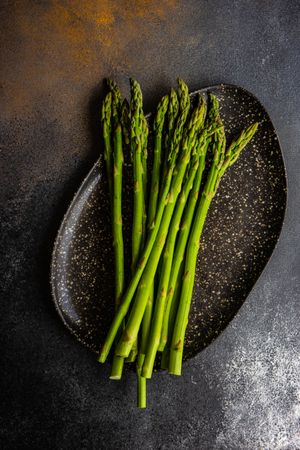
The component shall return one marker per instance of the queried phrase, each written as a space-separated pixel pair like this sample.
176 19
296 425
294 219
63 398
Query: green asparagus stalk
153 231
129 334
131 289
141 381
114 163
180 248
184 109
157 155
107 131
116 93
125 122
219 165
173 111
117 214
136 148
166 265
154 337
145 132
139 136
153 195
187 223
172 315
171 118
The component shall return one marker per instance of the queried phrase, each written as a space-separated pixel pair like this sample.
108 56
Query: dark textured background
242 392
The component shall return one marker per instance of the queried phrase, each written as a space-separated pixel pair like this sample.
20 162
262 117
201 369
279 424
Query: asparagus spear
154 337
136 148
130 291
141 382
114 162
117 364
154 189
138 142
219 166
116 93
187 223
125 122
166 265
145 132
106 130
155 176
153 197
153 231
172 114
172 315
117 213
138 308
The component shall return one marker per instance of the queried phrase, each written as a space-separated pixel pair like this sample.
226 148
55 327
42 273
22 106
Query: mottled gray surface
242 392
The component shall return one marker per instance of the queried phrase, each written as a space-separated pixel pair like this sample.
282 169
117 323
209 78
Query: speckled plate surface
241 231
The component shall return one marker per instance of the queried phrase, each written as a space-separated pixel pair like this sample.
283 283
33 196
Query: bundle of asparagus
190 156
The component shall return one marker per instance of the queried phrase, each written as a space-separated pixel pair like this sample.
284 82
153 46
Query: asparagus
138 308
117 214
136 135
171 118
221 162
153 195
141 382
154 337
130 291
106 130
166 266
114 162
116 93
145 132
155 176
125 122
153 231
187 223
172 315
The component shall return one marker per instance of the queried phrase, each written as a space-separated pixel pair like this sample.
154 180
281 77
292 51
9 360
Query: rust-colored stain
53 49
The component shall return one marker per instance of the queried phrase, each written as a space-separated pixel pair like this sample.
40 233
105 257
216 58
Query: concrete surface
243 391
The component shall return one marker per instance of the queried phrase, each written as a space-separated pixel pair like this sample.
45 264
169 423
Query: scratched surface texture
243 391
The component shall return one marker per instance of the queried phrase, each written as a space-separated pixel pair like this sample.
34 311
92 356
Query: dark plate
240 234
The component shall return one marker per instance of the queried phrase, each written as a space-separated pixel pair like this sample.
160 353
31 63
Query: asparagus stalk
153 197
220 163
154 190
166 266
136 148
141 382
145 132
155 176
130 291
106 130
138 308
171 118
154 337
117 214
153 231
186 224
125 122
116 93
139 136
172 315
114 164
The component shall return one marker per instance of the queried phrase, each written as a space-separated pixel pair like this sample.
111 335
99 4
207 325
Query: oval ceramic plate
241 231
